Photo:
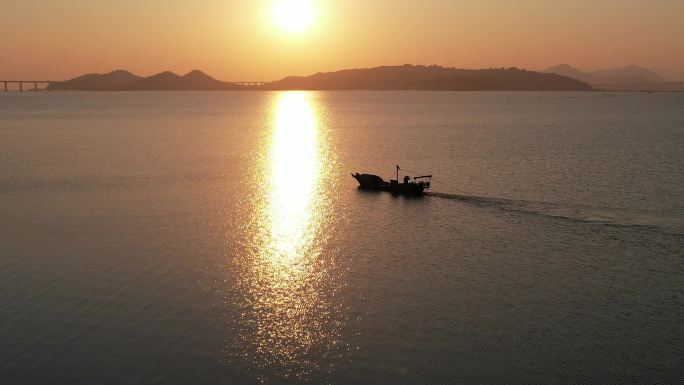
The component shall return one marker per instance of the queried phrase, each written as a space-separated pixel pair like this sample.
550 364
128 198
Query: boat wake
609 217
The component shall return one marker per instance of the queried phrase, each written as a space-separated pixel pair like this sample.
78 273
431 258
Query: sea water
218 238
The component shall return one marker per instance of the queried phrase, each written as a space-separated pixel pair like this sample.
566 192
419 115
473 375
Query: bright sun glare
294 16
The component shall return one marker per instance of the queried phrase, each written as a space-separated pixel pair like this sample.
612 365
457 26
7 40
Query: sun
294 16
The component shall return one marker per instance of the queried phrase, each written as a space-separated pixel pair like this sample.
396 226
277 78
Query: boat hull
375 183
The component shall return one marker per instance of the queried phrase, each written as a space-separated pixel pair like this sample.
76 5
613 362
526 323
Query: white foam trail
610 217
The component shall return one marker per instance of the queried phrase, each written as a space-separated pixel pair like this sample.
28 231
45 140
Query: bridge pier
6 85
249 84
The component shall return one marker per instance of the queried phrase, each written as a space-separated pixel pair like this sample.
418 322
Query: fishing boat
408 187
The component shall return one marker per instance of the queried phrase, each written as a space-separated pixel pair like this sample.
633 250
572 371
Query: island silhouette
405 77
121 80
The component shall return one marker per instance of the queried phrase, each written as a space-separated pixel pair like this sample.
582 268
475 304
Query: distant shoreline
332 90
387 78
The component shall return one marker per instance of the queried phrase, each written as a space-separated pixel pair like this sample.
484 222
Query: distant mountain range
121 80
406 77
625 75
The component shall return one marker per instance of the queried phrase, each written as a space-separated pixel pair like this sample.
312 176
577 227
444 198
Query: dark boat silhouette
408 187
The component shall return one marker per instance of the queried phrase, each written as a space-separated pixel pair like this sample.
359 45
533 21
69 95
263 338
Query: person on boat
406 179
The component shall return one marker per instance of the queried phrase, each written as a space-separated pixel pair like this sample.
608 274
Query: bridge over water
249 84
40 85
21 83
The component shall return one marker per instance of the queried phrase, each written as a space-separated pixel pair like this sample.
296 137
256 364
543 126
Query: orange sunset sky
239 40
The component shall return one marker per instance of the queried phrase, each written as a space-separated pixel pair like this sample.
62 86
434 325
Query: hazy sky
238 40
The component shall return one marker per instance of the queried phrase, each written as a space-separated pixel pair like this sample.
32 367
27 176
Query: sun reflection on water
295 168
291 321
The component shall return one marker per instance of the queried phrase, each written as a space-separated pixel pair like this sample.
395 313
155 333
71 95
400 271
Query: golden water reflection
295 167
292 320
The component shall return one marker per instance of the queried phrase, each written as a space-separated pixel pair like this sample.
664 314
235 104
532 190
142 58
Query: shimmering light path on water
285 275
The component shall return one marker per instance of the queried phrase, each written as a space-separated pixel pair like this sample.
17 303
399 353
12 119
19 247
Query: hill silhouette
413 77
406 77
115 80
120 80
625 75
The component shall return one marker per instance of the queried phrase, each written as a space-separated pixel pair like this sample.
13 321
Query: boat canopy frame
425 183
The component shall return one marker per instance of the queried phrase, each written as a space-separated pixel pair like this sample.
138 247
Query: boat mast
397 173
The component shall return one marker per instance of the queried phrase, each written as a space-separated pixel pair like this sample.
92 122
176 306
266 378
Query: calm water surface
218 238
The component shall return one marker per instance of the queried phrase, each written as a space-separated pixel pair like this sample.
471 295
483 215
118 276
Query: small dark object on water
374 182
